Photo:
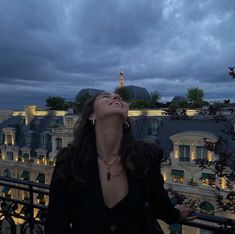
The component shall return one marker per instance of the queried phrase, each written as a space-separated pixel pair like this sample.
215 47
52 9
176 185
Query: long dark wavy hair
135 155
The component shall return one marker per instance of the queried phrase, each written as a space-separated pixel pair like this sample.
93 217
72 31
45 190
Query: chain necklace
109 165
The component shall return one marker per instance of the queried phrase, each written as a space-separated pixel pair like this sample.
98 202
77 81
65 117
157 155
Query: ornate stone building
30 140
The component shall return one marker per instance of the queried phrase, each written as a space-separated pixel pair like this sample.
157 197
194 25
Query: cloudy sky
57 48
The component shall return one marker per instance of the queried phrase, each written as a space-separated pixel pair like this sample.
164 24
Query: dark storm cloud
53 47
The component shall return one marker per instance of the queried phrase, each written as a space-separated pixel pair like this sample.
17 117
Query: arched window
7 173
207 207
25 157
41 178
58 143
6 190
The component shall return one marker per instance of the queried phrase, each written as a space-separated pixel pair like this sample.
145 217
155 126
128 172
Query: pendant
108 174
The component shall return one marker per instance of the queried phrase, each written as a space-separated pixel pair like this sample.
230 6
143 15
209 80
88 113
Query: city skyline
53 48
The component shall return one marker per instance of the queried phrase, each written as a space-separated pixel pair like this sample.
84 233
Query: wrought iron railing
24 216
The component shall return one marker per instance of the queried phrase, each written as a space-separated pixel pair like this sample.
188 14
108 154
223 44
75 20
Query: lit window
177 176
41 159
208 179
9 139
69 122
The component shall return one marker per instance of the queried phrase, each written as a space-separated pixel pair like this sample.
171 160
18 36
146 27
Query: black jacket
82 210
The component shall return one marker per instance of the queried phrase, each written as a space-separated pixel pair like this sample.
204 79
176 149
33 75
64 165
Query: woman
102 182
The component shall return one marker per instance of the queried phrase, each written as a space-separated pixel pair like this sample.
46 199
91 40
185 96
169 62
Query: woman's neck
108 138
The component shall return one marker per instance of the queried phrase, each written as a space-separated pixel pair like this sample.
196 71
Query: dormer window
25 157
9 135
28 140
58 143
43 140
9 139
41 159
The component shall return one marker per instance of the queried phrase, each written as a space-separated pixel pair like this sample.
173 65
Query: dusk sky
57 48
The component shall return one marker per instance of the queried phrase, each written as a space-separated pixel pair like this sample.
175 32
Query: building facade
31 139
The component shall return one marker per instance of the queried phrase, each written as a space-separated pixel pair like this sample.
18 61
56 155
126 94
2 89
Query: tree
123 92
155 97
195 96
141 104
55 103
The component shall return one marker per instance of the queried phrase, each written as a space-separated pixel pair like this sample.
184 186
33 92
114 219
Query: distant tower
121 79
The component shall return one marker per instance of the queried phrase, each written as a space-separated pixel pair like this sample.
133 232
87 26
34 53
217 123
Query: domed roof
138 93
89 91
178 99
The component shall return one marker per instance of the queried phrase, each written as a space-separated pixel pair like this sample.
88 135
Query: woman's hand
185 213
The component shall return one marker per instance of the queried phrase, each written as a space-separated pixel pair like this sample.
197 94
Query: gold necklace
109 165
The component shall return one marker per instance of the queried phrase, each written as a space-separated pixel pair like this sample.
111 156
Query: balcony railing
24 216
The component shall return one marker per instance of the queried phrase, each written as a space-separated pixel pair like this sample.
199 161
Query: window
177 176
69 122
9 155
208 179
154 126
25 175
58 143
43 140
207 207
9 139
25 157
201 152
28 140
6 190
184 153
7 173
41 178
41 159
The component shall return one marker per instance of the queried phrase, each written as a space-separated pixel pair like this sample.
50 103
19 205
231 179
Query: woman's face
110 104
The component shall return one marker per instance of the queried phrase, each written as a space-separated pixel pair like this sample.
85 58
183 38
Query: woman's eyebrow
103 94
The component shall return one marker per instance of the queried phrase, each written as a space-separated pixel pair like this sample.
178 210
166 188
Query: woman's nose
115 96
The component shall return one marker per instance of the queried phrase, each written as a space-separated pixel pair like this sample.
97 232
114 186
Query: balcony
24 216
